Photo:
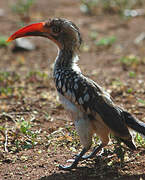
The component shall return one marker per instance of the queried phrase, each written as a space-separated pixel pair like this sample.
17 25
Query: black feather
133 123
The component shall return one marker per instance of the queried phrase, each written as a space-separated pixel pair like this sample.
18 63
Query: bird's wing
92 99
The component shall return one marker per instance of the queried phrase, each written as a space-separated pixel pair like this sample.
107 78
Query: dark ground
29 95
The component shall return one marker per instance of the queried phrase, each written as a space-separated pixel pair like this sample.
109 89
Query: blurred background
34 128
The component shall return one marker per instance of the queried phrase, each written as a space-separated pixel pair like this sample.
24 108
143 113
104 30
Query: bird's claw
70 160
92 154
67 168
75 161
88 157
85 157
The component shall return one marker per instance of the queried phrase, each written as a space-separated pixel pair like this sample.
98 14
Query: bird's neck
66 59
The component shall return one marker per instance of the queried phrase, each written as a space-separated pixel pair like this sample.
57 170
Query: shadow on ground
96 170
85 174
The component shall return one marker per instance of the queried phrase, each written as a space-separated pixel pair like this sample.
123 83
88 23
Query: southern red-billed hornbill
90 107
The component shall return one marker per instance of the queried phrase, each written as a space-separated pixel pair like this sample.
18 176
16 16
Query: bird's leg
75 162
84 128
93 153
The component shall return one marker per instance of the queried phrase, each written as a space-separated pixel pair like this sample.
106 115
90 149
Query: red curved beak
31 30
37 29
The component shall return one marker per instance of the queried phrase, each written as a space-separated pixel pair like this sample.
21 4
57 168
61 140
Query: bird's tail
133 123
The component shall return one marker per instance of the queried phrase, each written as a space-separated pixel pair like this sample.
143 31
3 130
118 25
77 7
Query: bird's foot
67 168
90 156
93 153
70 167
75 161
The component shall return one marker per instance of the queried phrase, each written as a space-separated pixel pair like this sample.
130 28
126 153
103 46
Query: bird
89 106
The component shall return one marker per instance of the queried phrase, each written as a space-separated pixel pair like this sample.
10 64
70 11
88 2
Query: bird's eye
56 29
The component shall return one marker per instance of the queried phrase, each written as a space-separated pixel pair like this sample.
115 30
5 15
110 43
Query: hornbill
89 106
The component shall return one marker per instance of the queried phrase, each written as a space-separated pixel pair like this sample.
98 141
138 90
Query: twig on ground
6 140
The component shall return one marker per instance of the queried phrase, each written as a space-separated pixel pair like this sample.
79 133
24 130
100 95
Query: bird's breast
74 113
75 91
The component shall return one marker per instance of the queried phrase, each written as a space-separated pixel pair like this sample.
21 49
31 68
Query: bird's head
61 31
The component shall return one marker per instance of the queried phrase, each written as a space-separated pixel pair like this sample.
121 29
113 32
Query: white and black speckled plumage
89 106
82 95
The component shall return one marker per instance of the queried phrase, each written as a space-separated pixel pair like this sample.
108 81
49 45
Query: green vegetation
141 101
6 91
65 137
132 74
7 80
129 60
19 135
117 6
37 74
8 77
108 41
3 41
22 8
129 90
140 140
24 127
117 82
